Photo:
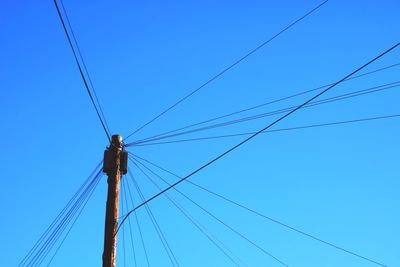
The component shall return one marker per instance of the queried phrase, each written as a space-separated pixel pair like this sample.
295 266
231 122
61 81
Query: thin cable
59 229
73 223
362 92
287 226
84 64
229 67
260 131
226 225
138 225
263 104
263 215
199 226
39 246
48 246
60 214
276 130
129 223
81 72
159 232
123 229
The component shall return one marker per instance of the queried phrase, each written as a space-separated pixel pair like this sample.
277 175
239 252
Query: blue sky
339 183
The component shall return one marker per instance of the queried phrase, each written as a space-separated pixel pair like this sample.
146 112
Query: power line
263 215
276 130
199 226
103 123
226 225
260 131
84 64
129 222
362 92
60 214
123 229
287 226
73 223
215 77
56 234
264 104
45 245
159 232
139 228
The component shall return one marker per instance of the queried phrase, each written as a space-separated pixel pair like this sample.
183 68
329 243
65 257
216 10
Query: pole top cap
116 140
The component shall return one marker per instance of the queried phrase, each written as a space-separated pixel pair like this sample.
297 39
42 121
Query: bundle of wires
47 246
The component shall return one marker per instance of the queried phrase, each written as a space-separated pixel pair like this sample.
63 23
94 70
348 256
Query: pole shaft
111 222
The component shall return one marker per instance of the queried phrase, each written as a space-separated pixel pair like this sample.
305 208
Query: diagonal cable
58 229
102 120
260 131
73 223
199 226
374 89
59 216
226 225
393 116
84 64
264 104
236 203
218 75
159 232
138 225
123 229
129 222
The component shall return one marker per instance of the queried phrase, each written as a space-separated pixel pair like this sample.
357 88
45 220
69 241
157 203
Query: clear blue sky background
339 183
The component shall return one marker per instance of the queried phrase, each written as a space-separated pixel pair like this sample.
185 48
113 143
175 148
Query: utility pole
114 164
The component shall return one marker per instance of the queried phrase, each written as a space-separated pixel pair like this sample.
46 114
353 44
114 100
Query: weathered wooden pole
115 163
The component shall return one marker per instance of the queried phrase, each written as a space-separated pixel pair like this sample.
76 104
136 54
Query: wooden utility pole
115 164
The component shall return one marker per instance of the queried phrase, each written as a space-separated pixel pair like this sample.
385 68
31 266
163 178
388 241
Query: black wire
276 130
227 225
287 226
129 222
263 104
73 223
138 225
50 232
159 232
123 229
84 64
60 214
262 215
362 92
198 225
81 72
229 67
59 229
260 131
66 221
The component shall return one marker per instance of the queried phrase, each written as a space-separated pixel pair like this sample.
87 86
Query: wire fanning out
254 212
212 216
77 54
159 232
198 225
218 75
138 226
363 92
123 229
124 196
259 105
70 213
260 131
276 130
